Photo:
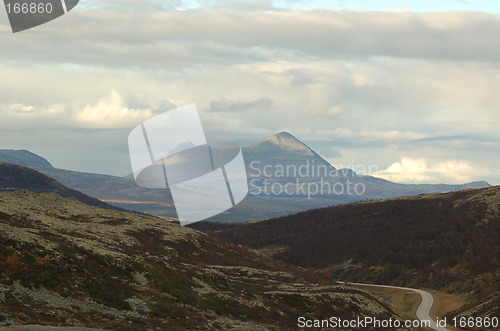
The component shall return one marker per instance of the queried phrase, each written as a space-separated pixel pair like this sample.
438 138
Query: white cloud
20 108
389 136
422 170
111 112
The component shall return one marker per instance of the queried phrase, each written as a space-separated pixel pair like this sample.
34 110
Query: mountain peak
285 134
288 142
183 145
283 149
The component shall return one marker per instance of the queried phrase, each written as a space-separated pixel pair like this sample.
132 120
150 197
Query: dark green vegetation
444 241
66 263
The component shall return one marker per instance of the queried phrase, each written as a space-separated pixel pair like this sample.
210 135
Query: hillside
446 241
24 158
103 187
14 177
66 263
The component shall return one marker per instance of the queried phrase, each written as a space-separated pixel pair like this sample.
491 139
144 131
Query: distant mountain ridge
284 150
264 160
283 169
15 177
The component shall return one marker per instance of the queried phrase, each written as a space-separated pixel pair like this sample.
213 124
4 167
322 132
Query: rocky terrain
66 263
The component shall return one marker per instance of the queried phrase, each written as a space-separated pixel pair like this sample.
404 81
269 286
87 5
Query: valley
67 263
64 253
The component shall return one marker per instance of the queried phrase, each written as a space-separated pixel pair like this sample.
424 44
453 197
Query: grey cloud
180 39
225 105
299 77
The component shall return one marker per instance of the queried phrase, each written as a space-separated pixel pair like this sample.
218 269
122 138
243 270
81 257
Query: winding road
423 311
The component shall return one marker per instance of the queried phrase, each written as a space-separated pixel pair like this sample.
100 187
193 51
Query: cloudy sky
408 87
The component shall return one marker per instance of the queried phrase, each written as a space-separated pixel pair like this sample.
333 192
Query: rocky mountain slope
444 241
63 262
